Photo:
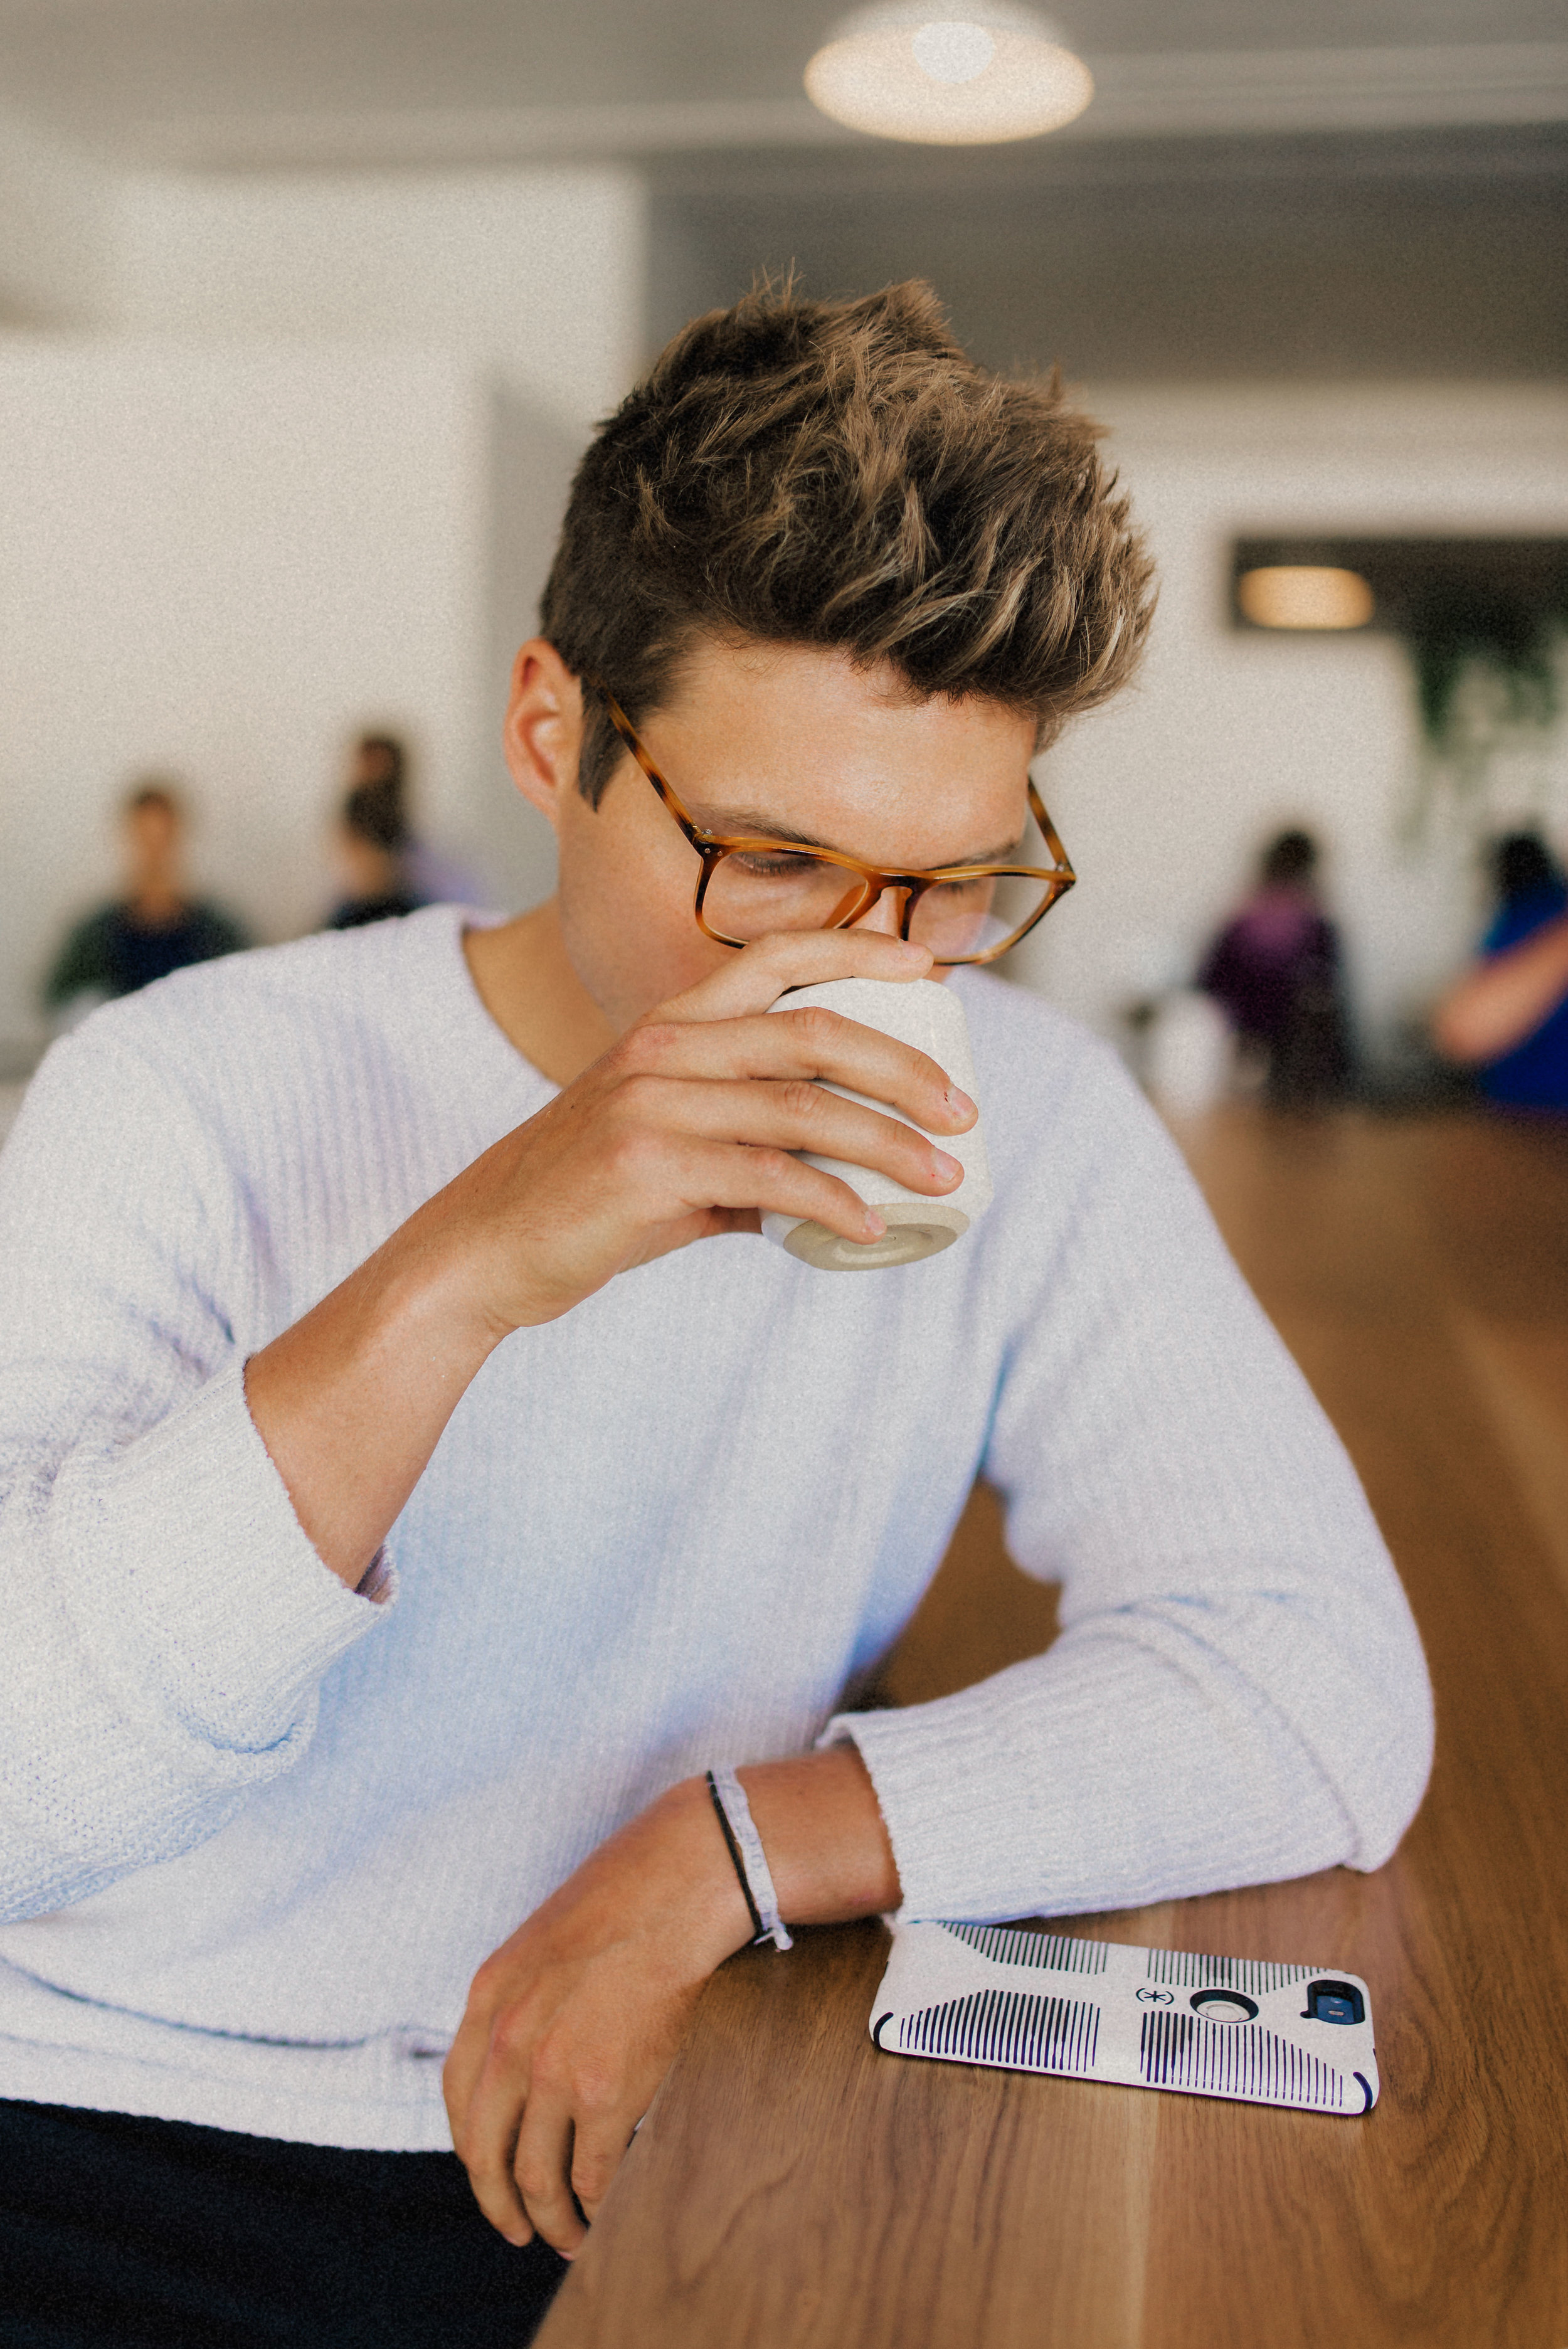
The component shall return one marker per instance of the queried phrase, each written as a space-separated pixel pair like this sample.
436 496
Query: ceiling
1261 188
1428 256
248 83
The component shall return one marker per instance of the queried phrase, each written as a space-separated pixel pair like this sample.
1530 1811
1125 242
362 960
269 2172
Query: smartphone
1023 2002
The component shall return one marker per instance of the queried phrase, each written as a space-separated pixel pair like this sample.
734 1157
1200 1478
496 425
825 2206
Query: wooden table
793 2187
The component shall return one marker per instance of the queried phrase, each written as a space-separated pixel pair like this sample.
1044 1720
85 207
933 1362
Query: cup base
915 1229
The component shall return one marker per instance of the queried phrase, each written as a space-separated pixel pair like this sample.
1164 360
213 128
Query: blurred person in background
1275 971
431 878
369 846
156 927
1507 1017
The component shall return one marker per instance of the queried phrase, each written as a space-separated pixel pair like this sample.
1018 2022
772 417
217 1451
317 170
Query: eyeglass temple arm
701 841
1052 839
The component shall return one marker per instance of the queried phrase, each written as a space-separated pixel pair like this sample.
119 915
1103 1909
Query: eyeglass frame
713 847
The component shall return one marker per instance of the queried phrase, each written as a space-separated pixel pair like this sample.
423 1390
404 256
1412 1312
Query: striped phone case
1023 2002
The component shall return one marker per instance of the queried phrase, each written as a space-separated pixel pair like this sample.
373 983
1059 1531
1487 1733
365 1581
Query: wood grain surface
794 2186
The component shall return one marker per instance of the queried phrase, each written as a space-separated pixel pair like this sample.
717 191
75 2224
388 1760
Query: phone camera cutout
1333 2002
1224 2006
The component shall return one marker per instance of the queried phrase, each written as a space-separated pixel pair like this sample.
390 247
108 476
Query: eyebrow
750 823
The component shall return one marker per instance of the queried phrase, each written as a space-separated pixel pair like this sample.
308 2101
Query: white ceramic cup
928 1016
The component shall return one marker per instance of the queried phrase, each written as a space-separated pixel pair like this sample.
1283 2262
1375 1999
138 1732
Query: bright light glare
1305 596
953 52
904 73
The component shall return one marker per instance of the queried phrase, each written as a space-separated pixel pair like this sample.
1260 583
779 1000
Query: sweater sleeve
1238 1692
166 1619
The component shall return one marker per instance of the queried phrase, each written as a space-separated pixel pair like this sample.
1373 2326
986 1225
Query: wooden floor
793 2187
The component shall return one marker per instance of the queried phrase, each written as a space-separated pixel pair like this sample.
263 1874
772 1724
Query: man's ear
543 736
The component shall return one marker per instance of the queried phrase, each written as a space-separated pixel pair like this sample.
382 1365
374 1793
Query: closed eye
765 865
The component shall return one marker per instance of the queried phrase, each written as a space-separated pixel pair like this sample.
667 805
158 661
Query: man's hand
686 1127
573 2022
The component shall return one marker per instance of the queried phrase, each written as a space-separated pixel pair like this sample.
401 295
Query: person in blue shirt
1507 1016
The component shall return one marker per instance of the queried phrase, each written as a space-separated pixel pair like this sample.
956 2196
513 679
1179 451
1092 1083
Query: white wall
222 563
538 274
531 463
1164 797
58 229
305 476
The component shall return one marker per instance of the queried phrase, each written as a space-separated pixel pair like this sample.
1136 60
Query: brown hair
842 474
151 790
376 812
389 749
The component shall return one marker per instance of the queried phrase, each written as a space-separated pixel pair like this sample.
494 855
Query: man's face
369 764
764 740
154 842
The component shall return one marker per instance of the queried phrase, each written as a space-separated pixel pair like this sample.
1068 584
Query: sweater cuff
986 1815
189 1580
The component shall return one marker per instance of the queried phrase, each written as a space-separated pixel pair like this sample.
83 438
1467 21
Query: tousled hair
842 474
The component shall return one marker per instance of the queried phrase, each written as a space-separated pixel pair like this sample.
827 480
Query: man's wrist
710 1891
821 1827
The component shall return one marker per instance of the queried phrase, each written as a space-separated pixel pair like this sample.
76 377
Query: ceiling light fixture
1305 596
967 73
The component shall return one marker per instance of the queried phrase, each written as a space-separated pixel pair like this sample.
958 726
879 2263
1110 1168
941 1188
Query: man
156 927
369 1263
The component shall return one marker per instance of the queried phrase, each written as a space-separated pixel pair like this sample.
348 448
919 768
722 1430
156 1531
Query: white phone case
1238 2027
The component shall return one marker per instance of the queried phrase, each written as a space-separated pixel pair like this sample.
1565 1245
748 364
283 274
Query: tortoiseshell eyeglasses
750 888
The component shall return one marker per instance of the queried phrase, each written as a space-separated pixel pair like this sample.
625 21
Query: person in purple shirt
1507 1017
1275 969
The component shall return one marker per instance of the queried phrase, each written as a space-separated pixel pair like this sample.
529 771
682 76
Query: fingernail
960 1103
873 1225
910 952
945 1165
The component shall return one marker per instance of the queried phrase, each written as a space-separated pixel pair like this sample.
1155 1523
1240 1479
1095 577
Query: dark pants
142 2234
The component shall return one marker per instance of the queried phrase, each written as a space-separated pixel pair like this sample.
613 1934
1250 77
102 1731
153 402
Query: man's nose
884 913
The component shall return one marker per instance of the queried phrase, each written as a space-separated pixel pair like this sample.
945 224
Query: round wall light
1304 595
957 75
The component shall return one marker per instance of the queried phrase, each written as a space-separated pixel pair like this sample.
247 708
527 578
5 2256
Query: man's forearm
352 1400
828 1849
1499 1004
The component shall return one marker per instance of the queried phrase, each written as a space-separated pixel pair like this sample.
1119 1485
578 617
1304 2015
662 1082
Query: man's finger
716 1174
798 1115
757 977
486 2135
460 2072
542 2172
600 2143
814 1043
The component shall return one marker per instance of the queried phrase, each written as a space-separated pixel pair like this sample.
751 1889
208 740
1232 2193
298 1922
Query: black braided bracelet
733 1851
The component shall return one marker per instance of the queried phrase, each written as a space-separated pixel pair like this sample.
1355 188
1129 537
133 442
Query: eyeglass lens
756 893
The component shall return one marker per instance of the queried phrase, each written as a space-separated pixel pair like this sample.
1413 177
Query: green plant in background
1489 677
1485 622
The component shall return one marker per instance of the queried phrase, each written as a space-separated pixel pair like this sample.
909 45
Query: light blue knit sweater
257 1831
